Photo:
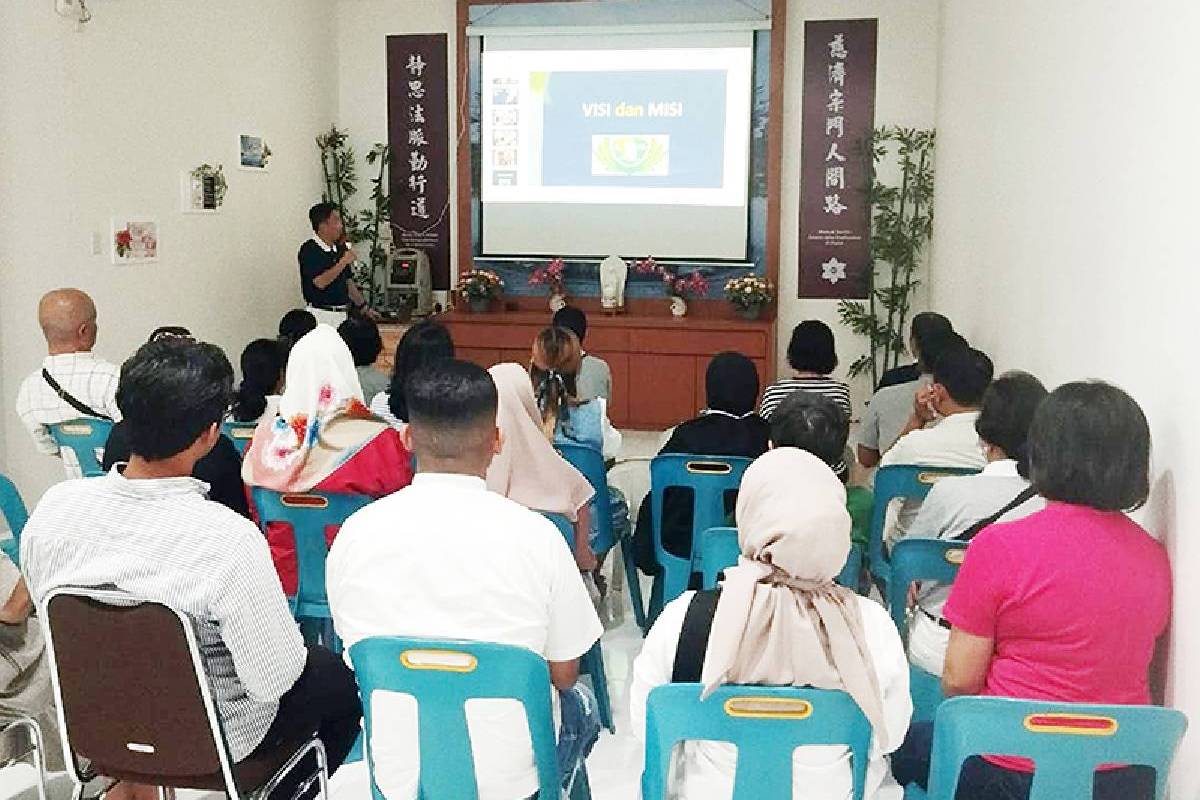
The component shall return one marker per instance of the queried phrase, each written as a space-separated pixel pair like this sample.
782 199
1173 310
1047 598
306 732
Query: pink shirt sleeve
980 588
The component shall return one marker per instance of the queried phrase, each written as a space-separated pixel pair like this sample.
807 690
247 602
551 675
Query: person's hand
923 404
349 256
914 589
372 315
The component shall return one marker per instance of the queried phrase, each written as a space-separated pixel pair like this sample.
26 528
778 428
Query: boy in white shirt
445 558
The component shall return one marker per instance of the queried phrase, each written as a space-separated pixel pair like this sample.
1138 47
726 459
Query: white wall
103 121
905 94
1066 205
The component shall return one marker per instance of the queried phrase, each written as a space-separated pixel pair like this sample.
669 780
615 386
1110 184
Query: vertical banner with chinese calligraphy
419 135
838 116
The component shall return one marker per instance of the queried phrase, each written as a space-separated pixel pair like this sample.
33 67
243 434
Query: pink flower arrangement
551 275
695 284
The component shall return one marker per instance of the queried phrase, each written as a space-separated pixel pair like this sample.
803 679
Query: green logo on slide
641 155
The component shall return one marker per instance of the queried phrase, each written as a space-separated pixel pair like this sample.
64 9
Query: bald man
68 321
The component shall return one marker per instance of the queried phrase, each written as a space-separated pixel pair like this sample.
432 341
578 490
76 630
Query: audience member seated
728 426
445 558
816 424
294 326
257 395
595 377
361 335
323 438
925 324
1068 603
554 371
958 508
528 470
73 381
147 532
220 469
940 431
891 406
812 355
423 343
25 688
780 620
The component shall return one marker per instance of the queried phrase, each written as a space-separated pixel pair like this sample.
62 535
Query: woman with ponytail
262 373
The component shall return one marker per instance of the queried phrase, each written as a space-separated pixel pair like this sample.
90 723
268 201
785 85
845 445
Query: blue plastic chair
766 724
86 438
1066 741
719 550
240 433
899 481
15 516
308 513
709 478
442 675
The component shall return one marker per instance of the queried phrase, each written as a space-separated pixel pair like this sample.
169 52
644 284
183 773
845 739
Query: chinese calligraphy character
837 102
837 73
417 183
416 65
833 154
837 46
835 125
835 177
417 162
416 114
833 270
416 89
833 204
418 208
416 137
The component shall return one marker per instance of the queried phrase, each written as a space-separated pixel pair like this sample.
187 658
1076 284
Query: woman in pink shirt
1041 607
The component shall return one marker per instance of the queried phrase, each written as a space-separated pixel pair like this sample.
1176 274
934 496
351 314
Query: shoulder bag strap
69 399
1020 500
693 637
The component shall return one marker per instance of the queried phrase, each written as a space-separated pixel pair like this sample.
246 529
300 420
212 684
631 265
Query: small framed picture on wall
134 239
254 154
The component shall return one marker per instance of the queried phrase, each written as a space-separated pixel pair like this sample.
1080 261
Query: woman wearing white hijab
780 620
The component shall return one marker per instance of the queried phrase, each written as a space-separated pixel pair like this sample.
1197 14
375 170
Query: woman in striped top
811 354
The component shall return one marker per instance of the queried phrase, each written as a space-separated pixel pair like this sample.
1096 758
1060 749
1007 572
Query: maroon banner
837 118
419 135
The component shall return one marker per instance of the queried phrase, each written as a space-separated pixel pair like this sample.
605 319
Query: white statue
613 272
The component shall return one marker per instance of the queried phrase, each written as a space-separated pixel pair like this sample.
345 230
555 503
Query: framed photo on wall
254 154
134 239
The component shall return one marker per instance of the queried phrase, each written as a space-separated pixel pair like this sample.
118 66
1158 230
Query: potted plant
749 295
552 276
678 288
480 287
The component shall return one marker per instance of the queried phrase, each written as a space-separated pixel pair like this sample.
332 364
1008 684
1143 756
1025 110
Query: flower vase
479 305
678 306
750 312
558 301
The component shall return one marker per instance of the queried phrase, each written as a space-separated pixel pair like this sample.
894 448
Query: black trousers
982 780
324 700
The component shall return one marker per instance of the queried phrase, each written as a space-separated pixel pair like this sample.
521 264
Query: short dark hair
295 324
964 372
1089 445
573 319
811 348
1009 405
811 422
319 213
170 392
423 343
927 325
166 331
361 335
933 343
451 407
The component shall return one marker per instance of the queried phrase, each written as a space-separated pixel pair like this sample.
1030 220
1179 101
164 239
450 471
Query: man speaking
325 262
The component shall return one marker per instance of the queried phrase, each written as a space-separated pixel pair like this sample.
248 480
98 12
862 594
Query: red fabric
1074 599
381 467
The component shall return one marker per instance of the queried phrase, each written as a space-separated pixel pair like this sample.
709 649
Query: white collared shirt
86 377
445 558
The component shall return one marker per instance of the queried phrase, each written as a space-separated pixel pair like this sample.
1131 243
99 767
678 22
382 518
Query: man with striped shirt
147 531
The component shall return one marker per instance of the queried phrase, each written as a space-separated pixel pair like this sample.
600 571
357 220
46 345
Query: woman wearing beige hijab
528 469
780 620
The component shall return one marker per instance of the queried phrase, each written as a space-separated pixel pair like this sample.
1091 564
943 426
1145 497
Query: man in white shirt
445 558
941 430
68 321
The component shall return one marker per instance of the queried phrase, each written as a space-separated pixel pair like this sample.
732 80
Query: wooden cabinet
657 362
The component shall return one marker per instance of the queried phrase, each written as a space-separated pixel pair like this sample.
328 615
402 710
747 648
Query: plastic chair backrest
84 437
442 675
766 724
309 513
15 516
719 550
920 560
709 478
899 481
590 463
240 433
1066 741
